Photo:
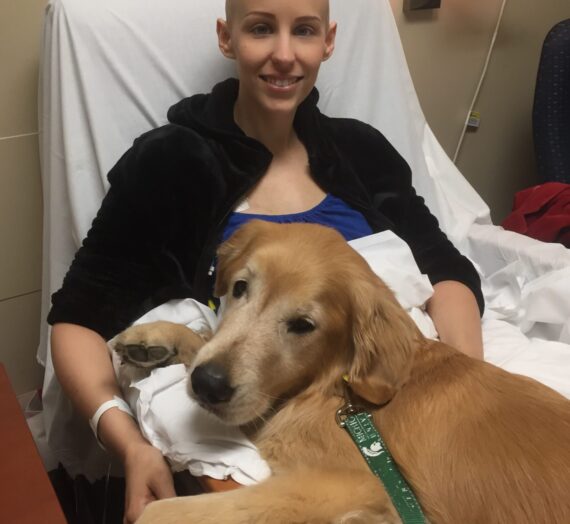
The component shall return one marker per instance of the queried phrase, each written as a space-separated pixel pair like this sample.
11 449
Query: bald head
232 7
229 6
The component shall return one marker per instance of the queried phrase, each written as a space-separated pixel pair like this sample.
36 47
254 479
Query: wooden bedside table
26 494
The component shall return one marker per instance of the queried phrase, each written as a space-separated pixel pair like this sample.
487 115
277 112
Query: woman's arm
387 179
455 313
83 367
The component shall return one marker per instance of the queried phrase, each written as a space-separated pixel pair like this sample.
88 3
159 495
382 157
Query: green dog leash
360 426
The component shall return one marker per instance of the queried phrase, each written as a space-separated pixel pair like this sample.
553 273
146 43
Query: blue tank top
331 211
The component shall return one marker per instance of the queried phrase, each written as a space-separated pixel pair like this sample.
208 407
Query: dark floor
102 502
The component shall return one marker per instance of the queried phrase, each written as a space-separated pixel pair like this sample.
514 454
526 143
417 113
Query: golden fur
478 444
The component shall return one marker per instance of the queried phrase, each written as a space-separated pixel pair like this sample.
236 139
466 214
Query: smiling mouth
280 82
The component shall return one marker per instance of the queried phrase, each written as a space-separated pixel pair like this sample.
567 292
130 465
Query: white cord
483 75
106 495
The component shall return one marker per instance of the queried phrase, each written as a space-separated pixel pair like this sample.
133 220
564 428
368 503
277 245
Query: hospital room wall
20 192
446 50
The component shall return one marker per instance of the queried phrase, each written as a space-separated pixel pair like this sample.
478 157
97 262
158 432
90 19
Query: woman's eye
300 326
240 287
260 29
305 30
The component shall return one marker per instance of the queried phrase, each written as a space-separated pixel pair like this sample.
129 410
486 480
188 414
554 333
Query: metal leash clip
346 411
348 408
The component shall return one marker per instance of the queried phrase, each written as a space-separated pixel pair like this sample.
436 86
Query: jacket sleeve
114 273
388 179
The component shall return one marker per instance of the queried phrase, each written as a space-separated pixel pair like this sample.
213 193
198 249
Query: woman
254 147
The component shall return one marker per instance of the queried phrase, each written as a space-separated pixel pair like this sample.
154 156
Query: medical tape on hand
115 402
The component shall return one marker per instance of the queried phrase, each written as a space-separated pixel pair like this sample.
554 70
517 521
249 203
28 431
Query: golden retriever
476 443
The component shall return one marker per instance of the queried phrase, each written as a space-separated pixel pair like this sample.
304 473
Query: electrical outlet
416 5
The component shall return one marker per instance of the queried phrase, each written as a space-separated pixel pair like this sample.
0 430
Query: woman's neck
275 130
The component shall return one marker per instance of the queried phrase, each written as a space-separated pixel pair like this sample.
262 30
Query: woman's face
278 46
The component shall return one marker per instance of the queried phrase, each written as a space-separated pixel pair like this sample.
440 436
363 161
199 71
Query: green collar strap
360 426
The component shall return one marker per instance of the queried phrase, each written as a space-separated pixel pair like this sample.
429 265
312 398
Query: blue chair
551 112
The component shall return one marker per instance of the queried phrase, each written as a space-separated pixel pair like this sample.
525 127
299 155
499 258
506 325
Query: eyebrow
306 18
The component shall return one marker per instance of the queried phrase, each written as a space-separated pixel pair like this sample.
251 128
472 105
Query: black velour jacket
155 235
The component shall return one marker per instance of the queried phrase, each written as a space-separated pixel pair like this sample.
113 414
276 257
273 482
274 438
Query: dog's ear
385 339
232 252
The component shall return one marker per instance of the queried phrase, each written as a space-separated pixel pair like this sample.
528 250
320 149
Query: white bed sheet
111 68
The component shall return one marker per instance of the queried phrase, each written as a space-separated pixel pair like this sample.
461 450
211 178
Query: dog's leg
307 497
158 344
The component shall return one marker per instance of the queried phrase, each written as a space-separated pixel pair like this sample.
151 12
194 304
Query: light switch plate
416 5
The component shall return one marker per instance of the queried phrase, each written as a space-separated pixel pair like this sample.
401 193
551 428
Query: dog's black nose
210 383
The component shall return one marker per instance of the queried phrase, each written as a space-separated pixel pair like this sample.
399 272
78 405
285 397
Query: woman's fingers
163 484
148 478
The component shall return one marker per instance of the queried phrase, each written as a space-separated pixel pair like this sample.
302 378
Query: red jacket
542 212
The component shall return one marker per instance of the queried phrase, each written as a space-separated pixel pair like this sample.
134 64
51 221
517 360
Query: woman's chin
280 106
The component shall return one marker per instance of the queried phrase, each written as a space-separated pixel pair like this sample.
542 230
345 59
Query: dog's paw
144 356
148 346
158 344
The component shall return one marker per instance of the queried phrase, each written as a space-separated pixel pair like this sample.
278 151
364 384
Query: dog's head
302 309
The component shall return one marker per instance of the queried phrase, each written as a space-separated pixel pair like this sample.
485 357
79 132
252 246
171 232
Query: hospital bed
111 68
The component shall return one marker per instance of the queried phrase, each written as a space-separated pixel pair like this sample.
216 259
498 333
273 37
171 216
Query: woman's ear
224 38
385 339
330 41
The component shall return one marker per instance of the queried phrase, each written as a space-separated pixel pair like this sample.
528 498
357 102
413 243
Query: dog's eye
240 287
300 326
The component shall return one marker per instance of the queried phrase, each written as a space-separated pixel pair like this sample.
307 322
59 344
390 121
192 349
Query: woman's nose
283 54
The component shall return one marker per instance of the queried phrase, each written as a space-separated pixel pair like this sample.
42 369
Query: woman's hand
148 478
